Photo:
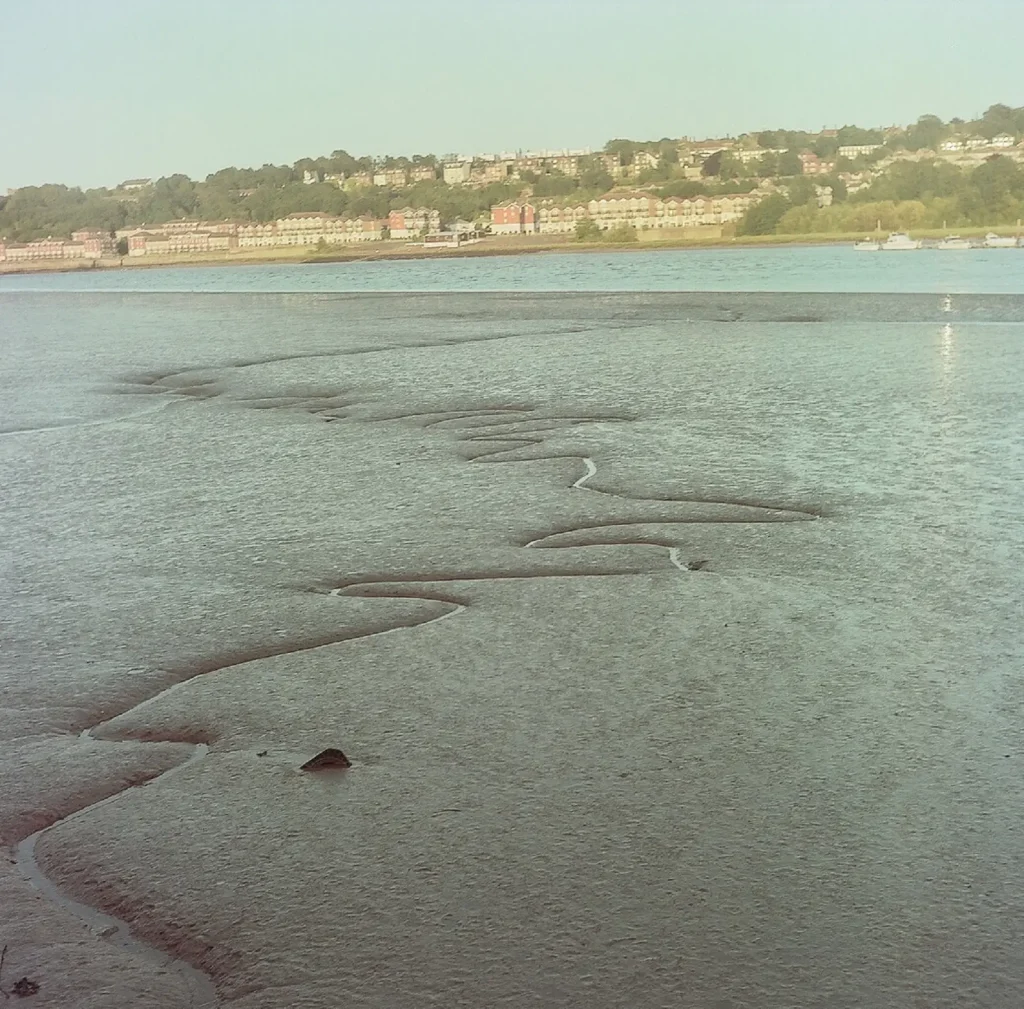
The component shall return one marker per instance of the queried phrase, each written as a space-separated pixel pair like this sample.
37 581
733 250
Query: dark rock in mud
327 760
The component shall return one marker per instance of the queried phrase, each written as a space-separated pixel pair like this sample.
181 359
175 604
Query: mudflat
673 640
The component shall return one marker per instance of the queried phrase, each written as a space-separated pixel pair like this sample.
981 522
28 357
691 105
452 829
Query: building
492 171
623 207
644 211
529 219
391 178
699 211
567 164
256 234
513 218
179 242
423 173
458 173
531 162
706 148
133 185
749 154
411 222
358 180
560 220
95 242
1002 140
852 151
612 164
811 164
856 181
507 218
141 243
43 248
645 160
310 178
309 228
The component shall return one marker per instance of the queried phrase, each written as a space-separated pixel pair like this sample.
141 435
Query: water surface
817 268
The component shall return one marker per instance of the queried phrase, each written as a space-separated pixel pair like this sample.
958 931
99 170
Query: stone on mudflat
25 987
327 760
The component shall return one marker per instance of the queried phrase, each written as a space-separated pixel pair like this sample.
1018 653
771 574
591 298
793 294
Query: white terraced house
163 243
308 228
642 211
555 220
628 207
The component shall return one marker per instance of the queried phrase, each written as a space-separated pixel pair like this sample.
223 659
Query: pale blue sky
96 91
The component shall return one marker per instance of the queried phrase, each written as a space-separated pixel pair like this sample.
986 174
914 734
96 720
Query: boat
994 241
899 241
954 242
868 245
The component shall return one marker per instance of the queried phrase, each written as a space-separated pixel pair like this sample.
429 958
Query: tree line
274 191
908 195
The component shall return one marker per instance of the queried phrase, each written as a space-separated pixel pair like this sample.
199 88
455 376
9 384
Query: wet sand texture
659 672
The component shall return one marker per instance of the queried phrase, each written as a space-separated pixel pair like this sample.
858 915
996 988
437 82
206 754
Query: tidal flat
674 640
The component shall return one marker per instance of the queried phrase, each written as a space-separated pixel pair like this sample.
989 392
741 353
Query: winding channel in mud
493 434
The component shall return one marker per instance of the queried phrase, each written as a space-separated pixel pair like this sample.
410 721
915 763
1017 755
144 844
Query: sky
94 93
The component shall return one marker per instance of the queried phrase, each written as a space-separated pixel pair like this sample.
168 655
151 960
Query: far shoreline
487 248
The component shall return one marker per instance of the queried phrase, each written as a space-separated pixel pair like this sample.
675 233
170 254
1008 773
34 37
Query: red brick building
513 218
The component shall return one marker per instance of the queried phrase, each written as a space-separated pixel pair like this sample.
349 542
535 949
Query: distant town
836 180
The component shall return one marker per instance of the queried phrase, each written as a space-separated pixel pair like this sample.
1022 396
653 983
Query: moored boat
899 241
994 241
868 245
954 242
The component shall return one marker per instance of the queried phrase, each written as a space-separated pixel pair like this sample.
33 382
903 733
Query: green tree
790 164
763 217
712 164
587 231
838 186
849 135
826 147
801 190
729 166
927 133
122 247
683 188
594 175
625 150
767 166
660 173
1000 119
554 184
